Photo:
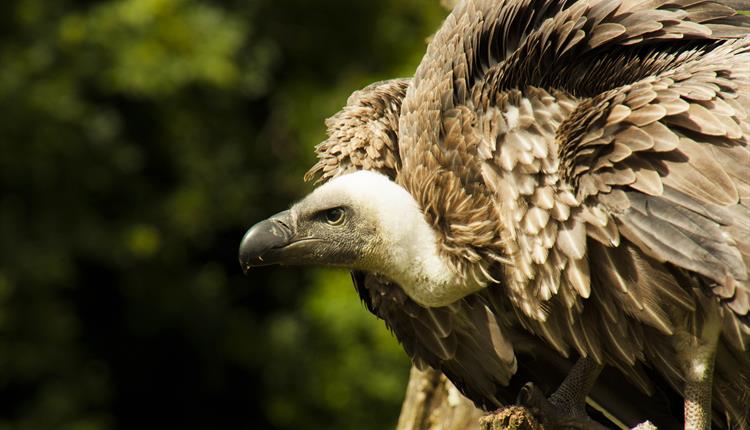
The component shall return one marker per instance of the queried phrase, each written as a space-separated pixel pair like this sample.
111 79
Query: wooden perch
433 403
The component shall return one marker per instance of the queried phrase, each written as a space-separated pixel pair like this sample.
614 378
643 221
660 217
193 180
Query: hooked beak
259 243
274 241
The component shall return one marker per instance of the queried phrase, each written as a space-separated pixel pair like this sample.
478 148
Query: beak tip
260 239
244 266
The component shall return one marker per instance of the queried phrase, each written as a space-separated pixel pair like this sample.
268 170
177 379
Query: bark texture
433 403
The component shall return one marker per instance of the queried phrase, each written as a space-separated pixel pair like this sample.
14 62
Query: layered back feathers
589 160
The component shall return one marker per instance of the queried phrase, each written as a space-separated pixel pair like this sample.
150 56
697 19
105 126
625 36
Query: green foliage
138 140
161 45
351 367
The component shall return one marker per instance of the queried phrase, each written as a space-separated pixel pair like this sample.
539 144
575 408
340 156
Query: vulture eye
334 216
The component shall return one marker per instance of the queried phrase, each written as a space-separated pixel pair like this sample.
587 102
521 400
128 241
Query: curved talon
552 416
531 396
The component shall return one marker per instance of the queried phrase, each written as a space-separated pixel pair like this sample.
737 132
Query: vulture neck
418 266
408 250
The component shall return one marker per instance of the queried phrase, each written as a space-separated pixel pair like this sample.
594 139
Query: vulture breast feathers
588 163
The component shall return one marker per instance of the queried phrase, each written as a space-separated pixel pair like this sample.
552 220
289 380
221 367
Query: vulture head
361 221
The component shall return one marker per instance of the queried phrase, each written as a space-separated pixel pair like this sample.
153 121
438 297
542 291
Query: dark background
138 141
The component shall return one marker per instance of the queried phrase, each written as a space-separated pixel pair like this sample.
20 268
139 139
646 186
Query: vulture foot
566 407
550 415
523 418
570 396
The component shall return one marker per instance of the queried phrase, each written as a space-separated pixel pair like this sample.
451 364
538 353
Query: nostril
284 224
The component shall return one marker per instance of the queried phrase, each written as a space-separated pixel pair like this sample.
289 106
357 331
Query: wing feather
363 135
594 147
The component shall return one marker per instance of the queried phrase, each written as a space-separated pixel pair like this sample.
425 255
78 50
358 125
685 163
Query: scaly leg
570 397
696 353
699 369
567 405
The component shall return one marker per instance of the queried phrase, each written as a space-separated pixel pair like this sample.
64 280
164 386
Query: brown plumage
364 135
589 161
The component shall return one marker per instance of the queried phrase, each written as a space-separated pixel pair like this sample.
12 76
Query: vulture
560 182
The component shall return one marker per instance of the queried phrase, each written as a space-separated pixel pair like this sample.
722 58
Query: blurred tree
138 140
